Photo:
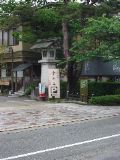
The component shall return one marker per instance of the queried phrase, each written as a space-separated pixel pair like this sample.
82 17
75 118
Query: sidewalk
23 114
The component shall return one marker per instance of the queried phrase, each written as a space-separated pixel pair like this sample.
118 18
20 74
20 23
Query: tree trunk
73 69
65 40
66 51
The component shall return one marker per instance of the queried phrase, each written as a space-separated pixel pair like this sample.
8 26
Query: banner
54 83
41 90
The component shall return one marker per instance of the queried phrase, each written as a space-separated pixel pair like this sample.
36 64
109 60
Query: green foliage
47 16
8 22
101 38
72 6
117 91
7 19
102 88
24 12
75 92
102 26
7 6
47 22
77 89
29 89
27 36
74 26
63 89
108 100
100 35
70 11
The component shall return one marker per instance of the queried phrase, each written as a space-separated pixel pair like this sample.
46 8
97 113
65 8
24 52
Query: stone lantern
48 61
48 49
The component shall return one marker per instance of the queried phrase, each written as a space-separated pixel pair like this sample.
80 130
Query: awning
4 82
22 67
41 45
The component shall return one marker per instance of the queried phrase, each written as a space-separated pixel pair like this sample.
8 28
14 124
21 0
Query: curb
49 125
76 102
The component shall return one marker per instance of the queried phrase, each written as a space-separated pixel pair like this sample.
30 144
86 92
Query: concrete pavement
22 113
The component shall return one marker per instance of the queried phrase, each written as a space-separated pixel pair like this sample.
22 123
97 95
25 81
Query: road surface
90 140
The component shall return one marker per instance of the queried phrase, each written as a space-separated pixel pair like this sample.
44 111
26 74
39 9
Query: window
51 54
7 39
8 72
44 53
3 73
10 37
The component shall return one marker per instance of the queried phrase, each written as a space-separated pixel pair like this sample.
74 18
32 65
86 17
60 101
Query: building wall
21 52
7 39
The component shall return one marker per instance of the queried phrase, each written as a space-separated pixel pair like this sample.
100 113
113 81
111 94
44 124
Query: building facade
22 61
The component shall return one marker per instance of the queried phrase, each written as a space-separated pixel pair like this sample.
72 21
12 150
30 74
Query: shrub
117 91
106 100
29 89
63 89
102 88
77 89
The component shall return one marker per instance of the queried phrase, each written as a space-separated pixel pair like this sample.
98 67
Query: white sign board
54 83
19 74
3 73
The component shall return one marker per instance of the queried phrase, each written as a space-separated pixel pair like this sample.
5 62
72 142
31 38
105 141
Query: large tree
45 21
101 34
52 19
100 38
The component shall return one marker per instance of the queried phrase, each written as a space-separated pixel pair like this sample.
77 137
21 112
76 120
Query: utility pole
2 51
12 76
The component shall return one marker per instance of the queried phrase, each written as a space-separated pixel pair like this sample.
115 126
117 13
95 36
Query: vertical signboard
84 89
54 83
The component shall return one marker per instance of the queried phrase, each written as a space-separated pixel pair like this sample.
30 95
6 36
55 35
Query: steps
17 94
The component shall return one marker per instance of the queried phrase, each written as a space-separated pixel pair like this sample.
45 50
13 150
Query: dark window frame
44 53
14 40
52 53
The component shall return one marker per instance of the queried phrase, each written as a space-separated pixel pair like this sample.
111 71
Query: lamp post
12 76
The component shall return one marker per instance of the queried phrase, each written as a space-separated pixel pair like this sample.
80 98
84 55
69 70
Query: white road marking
12 101
29 100
60 147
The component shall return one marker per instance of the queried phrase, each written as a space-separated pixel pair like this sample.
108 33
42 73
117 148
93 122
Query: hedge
63 89
109 100
94 89
117 91
102 88
29 89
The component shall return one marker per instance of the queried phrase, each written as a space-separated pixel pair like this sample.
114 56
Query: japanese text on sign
54 83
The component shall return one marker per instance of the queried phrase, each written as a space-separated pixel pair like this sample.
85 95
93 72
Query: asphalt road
91 140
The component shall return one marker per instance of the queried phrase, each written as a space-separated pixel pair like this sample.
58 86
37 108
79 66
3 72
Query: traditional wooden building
22 60
101 69
23 63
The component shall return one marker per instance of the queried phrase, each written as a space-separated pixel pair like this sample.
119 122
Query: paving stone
19 114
